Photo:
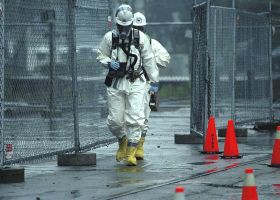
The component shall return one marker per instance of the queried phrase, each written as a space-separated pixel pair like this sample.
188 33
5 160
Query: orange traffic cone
275 161
179 193
211 145
231 147
249 190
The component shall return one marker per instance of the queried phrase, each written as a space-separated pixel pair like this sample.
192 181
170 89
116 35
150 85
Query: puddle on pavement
212 157
276 188
76 178
124 182
129 169
212 170
203 163
75 193
233 165
221 185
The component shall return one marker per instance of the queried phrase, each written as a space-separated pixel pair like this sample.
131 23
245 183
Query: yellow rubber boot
140 149
122 149
130 156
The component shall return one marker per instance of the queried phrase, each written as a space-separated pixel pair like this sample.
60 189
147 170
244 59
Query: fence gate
231 71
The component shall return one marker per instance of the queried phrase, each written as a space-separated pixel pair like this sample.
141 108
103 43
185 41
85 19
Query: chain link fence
54 88
1 81
198 72
222 64
91 25
231 72
253 87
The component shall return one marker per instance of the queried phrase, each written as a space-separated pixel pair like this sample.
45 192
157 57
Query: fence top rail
169 23
275 19
252 13
221 7
90 24
200 4
91 8
241 11
41 77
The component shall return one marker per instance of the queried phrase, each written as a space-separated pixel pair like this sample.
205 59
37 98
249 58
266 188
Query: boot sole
129 164
139 158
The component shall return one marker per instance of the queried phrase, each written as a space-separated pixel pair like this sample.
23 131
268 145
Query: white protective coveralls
126 98
162 60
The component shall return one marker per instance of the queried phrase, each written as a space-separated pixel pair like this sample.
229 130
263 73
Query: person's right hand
154 87
115 65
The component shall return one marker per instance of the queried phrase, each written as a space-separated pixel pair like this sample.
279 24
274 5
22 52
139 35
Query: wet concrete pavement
166 165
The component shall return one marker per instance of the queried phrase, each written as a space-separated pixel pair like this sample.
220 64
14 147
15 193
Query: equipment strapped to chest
150 39
134 38
135 41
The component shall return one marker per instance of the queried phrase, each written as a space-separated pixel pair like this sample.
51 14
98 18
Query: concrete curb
187 139
11 175
240 132
78 159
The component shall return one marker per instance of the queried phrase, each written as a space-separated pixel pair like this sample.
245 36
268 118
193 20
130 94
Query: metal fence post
208 65
49 17
2 144
214 61
233 114
73 64
191 71
52 60
270 63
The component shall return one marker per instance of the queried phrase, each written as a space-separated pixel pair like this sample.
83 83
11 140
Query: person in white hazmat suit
128 55
162 60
